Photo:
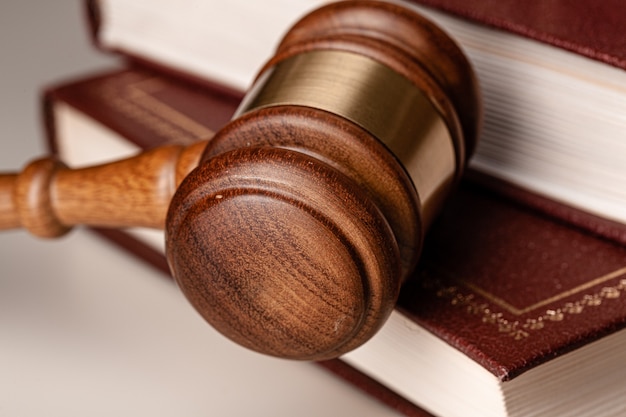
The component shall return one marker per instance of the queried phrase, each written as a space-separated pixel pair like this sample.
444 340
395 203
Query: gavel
292 229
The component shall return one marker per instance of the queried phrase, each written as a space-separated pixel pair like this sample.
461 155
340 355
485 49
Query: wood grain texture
282 253
47 198
343 146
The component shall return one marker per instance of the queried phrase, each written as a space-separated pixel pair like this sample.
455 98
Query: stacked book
517 306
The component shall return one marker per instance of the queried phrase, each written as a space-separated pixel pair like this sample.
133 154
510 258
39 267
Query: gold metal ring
374 97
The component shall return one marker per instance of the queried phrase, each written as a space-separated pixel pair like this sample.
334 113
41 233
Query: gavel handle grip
47 198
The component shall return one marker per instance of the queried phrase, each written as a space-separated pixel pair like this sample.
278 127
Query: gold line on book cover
520 330
143 93
519 311
138 100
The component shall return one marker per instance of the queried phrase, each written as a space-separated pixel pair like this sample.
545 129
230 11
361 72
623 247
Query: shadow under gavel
292 229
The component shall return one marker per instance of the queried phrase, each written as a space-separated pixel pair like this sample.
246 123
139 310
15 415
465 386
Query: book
510 313
532 301
552 77
117 113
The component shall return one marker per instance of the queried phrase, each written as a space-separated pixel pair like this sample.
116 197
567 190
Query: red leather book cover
511 287
594 29
145 107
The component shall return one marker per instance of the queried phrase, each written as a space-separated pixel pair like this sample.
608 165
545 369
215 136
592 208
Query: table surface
85 329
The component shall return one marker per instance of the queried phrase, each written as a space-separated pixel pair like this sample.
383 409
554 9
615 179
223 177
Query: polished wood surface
318 260
292 229
47 198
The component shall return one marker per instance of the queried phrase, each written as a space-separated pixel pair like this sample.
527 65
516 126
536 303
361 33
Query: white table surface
87 330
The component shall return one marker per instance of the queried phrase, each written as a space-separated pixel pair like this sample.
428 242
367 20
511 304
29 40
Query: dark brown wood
294 232
343 146
317 259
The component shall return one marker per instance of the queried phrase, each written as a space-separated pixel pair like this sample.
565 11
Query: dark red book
511 312
590 29
552 77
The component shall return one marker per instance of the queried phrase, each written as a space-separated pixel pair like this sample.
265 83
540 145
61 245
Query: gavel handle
47 198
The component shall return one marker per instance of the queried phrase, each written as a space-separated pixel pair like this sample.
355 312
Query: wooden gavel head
307 211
